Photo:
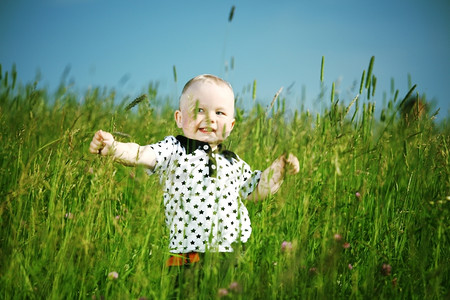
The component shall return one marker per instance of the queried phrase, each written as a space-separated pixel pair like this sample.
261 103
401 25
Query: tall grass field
367 216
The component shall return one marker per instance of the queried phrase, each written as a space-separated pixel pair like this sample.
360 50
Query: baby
205 185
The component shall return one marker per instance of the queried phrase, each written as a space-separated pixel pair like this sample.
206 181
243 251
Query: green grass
369 193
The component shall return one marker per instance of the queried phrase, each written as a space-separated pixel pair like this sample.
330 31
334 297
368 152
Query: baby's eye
200 110
220 113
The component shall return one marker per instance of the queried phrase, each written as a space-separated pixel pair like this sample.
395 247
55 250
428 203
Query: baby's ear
232 124
226 130
178 118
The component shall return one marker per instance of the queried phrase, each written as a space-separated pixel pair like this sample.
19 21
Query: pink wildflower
358 195
222 292
235 287
113 275
386 269
350 267
313 271
286 246
337 237
68 215
346 245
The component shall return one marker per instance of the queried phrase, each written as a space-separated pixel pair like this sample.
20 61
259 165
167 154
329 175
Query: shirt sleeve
250 180
165 151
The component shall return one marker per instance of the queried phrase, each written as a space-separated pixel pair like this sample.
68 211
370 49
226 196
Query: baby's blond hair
204 78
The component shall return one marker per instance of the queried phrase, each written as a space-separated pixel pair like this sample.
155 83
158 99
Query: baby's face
206 112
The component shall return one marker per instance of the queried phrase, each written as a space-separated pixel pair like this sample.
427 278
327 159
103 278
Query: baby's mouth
206 130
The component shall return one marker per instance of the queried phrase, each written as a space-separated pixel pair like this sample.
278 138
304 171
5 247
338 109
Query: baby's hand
291 164
101 143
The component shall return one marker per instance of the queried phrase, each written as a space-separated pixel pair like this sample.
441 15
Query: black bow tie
192 145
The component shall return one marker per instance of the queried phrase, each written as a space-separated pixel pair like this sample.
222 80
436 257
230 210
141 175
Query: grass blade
321 68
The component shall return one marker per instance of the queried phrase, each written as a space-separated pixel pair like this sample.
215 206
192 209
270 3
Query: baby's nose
212 117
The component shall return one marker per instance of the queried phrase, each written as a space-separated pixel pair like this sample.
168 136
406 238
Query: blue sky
125 45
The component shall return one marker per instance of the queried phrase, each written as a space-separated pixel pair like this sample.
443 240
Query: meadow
366 217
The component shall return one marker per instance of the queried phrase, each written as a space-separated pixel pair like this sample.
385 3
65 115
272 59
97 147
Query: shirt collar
191 145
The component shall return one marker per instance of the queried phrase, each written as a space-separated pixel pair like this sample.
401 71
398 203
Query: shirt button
213 167
205 147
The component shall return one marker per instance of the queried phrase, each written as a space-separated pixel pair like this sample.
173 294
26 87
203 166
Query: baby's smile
206 130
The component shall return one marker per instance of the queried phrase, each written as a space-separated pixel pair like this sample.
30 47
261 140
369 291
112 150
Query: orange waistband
182 259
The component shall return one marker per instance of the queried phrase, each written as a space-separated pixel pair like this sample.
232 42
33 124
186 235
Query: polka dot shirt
203 192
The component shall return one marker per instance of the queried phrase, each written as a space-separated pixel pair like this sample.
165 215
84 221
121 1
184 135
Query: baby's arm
129 154
272 177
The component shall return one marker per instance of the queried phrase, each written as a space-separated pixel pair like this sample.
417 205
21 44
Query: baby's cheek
192 120
227 129
186 124
224 134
